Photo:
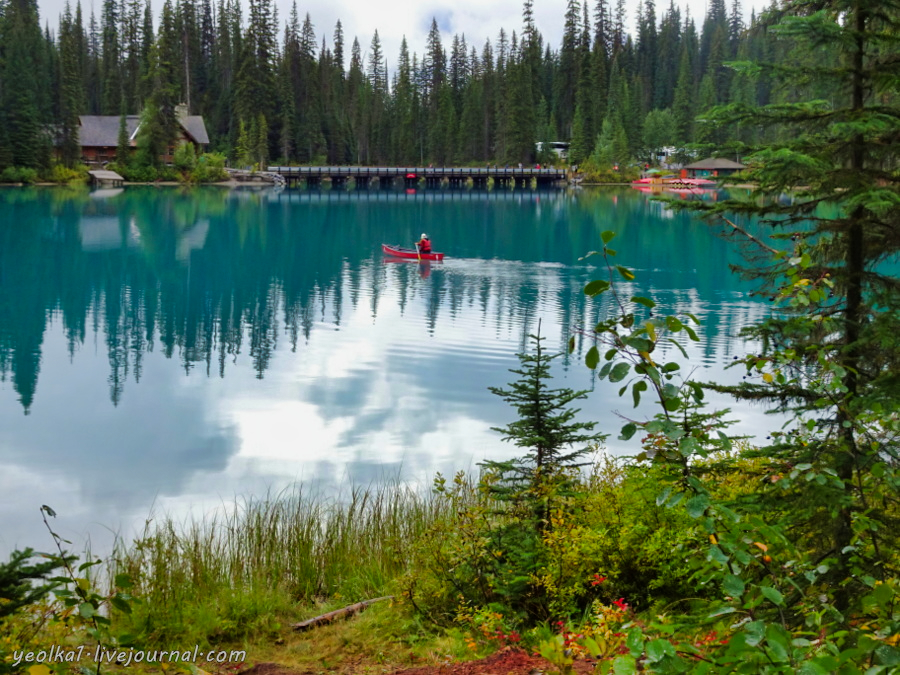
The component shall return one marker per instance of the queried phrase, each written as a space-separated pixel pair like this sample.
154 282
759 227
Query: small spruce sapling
546 427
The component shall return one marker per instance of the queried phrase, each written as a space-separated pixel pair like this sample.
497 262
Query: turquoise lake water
165 349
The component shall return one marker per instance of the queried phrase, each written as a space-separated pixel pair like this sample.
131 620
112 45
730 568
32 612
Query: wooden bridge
386 176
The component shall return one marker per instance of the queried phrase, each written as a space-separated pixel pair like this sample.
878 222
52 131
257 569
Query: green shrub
185 158
595 173
18 174
210 168
60 173
140 174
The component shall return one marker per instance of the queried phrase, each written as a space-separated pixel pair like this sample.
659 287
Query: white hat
424 236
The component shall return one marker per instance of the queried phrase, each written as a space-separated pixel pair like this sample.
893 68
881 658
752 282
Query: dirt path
506 662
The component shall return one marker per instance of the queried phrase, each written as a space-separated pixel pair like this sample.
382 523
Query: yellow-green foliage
61 174
593 173
611 528
210 168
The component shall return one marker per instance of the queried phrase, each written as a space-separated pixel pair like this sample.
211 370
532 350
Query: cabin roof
715 163
103 130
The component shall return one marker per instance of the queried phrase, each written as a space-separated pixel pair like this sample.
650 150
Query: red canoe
410 253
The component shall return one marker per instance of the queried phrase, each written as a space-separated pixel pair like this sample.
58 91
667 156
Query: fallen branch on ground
344 612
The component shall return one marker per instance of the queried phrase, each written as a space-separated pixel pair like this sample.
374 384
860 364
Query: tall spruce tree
831 356
19 69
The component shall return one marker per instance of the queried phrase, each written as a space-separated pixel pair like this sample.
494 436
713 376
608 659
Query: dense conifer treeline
278 91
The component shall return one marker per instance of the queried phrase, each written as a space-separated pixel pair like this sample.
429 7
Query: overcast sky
476 19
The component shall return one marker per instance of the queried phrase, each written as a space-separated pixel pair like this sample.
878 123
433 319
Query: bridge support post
386 182
338 181
410 183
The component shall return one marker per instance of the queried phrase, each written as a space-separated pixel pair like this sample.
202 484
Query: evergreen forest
273 90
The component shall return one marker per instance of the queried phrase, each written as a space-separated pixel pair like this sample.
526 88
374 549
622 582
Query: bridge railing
417 171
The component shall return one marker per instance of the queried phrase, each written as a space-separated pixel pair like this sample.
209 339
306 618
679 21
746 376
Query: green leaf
888 656
121 604
571 344
596 287
625 665
86 610
662 496
626 273
674 324
591 645
674 500
636 390
696 505
754 632
607 236
628 431
124 581
50 512
689 446
592 358
635 641
772 594
680 348
658 649
646 302
619 372
733 586
883 595
716 554
777 642
727 609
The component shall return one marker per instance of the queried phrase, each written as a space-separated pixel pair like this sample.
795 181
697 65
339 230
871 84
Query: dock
106 178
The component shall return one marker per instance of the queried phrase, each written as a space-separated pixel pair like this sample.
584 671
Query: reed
245 569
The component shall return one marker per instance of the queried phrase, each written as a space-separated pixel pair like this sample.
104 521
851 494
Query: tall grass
242 571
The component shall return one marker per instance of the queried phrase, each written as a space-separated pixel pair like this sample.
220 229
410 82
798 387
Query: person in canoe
424 244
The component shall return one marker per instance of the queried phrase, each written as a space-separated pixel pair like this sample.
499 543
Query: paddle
418 253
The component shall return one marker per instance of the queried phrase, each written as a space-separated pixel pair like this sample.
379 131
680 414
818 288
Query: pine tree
110 65
434 66
19 97
123 150
684 100
581 144
546 429
72 100
832 356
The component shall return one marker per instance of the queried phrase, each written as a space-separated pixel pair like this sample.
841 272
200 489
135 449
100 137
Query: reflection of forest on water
206 275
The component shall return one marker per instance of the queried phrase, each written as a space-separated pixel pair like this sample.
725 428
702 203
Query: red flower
620 603
597 580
